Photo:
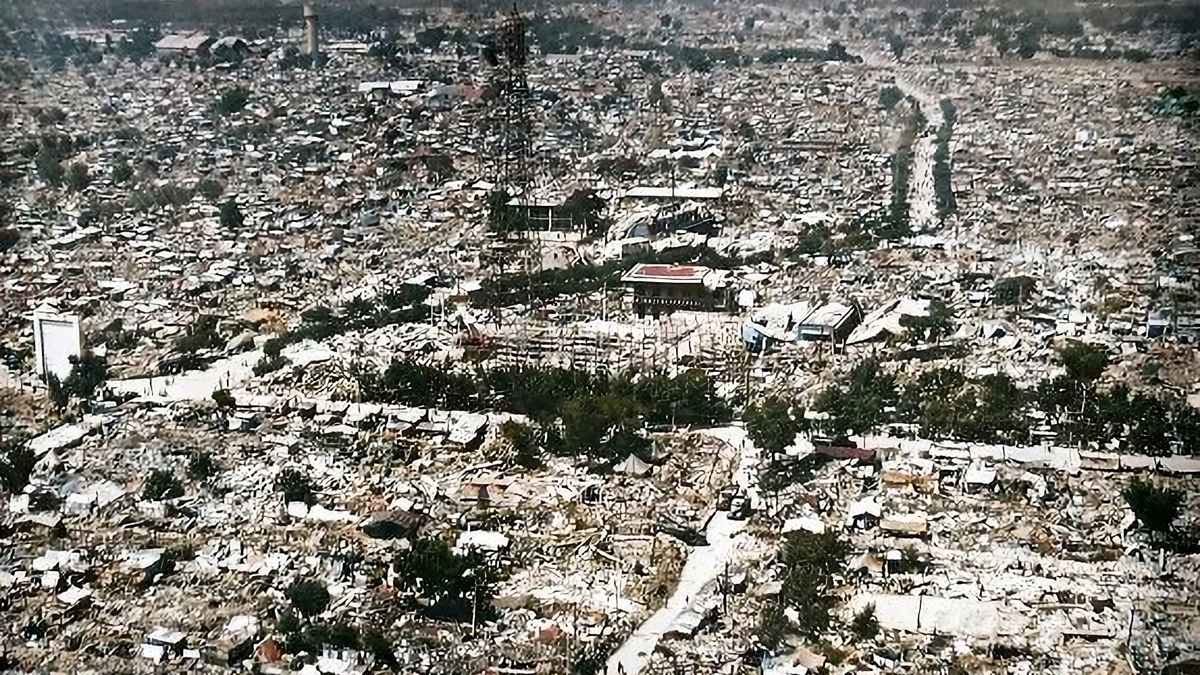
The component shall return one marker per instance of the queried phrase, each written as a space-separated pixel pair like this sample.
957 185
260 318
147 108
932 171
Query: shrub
9 238
272 348
309 597
295 487
121 172
523 439
288 623
232 100
16 465
889 96
210 189
201 465
1156 508
1085 363
161 485
865 626
269 365
224 399
231 215
77 177
88 372
49 167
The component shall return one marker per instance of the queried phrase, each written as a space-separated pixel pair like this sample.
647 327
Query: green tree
458 586
1156 508
865 626
1085 363
231 215
16 465
308 596
773 424
77 177
49 166
121 172
232 100
889 96
524 441
295 486
9 238
161 485
210 189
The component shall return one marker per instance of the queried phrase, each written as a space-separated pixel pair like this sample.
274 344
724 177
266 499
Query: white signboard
57 338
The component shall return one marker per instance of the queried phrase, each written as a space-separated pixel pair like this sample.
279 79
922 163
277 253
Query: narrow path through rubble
227 373
703 567
922 199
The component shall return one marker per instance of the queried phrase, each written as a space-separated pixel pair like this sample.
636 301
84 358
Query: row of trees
943 186
575 412
944 403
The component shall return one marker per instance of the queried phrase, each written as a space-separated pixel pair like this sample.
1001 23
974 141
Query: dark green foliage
161 485
897 218
1156 508
201 465
311 639
210 189
810 562
9 238
403 305
373 642
419 385
49 167
593 407
773 424
432 37
295 486
308 596
160 196
1085 363
232 100
288 623
139 43
689 398
567 34
834 52
1014 290
524 441
457 586
1178 101
272 348
937 326
943 186
865 626
269 365
16 465
77 177
896 44
1027 42
889 96
231 215
858 404
773 627
224 399
87 374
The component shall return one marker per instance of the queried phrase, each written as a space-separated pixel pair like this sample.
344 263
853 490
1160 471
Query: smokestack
312 46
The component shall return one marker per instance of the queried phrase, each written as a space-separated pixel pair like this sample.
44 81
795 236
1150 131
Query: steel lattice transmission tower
511 82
